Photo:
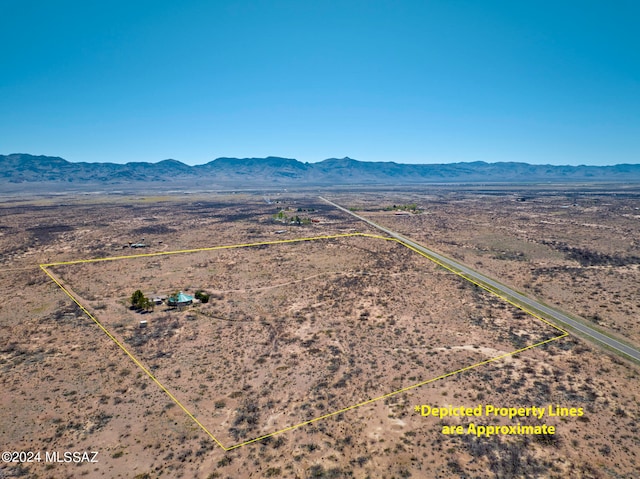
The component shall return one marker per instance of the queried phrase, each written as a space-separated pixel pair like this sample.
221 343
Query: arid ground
295 331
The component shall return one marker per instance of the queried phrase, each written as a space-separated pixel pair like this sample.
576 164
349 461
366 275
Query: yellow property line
295 426
408 388
196 250
135 360
464 276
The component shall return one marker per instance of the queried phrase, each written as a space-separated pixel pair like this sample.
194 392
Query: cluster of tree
412 207
281 216
139 301
202 296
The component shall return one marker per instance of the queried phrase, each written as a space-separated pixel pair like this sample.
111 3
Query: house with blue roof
180 299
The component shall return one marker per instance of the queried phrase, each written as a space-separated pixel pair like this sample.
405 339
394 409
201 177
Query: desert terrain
575 249
296 333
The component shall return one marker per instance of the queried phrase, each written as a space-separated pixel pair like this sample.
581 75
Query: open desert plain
306 343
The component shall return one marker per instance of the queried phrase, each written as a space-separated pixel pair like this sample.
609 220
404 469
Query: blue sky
553 82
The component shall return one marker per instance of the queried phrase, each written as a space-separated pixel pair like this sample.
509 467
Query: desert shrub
202 296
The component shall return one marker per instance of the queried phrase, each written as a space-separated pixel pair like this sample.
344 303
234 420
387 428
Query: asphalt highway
552 315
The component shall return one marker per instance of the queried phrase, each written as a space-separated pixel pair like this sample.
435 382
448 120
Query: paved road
549 313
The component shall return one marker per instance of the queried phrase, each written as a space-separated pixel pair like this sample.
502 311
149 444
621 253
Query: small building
158 300
140 244
180 299
143 323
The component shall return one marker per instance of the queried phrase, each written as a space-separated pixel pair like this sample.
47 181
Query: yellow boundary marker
135 360
295 240
197 250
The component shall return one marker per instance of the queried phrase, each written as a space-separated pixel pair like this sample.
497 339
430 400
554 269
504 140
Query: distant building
140 244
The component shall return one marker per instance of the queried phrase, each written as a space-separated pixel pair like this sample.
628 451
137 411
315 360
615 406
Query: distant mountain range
274 171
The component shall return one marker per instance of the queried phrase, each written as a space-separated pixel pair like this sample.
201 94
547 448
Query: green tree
146 304
140 301
202 296
136 299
